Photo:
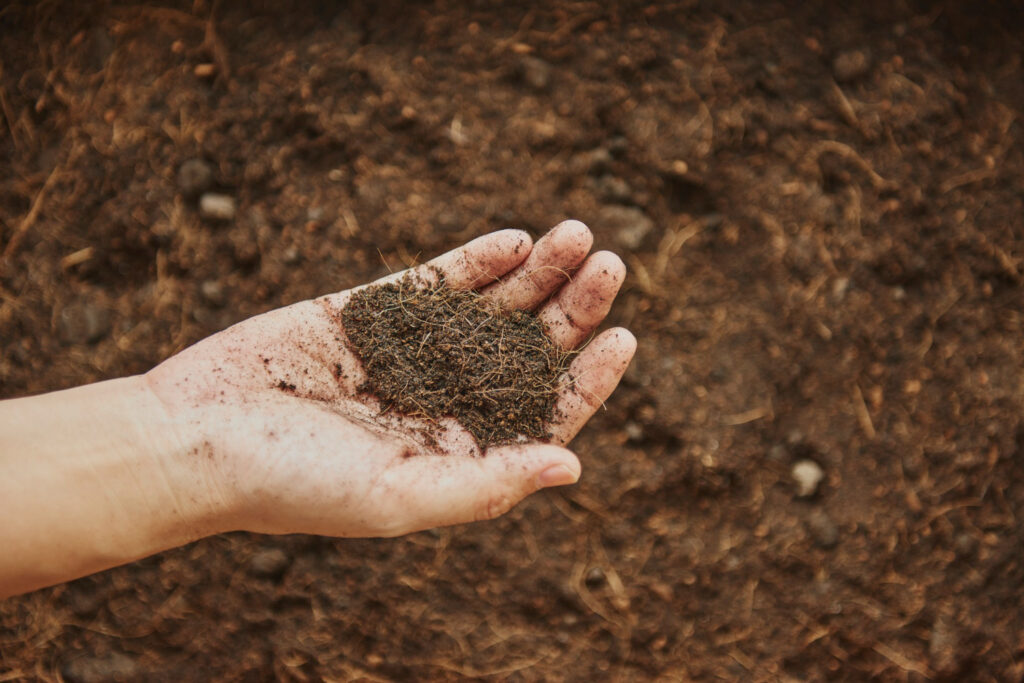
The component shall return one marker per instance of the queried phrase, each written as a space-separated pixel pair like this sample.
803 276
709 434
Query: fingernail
556 475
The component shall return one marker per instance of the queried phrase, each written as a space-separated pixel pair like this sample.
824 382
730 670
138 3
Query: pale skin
260 428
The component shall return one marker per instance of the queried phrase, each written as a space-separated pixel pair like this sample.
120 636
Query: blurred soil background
813 470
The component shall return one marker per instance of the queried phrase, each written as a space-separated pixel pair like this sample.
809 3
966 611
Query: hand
286 444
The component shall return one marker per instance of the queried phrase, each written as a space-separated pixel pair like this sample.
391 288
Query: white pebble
807 474
217 207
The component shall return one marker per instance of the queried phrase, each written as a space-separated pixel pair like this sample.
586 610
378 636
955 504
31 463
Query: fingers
479 262
440 491
580 306
592 377
548 267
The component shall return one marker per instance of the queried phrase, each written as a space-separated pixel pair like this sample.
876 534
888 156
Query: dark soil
432 352
820 205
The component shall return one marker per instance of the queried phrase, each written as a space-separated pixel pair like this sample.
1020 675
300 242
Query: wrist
106 472
182 459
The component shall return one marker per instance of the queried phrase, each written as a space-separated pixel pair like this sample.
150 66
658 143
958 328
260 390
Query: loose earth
432 352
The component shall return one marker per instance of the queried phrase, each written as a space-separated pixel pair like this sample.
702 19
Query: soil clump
431 351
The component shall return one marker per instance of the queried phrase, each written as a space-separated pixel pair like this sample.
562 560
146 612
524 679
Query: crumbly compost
431 351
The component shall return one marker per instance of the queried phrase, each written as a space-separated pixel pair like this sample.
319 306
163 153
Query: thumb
446 490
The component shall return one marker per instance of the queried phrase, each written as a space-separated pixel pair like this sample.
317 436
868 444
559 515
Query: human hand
286 444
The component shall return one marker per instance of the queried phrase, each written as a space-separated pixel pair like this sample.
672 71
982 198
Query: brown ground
833 272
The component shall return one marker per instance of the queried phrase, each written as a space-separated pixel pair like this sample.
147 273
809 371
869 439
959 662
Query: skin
260 428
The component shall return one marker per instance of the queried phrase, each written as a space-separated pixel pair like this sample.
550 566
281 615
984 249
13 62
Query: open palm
287 443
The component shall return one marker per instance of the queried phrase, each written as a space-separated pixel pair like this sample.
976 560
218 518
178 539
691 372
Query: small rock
113 667
594 161
217 207
213 292
613 188
630 225
840 287
822 529
807 474
964 544
84 322
269 563
595 576
535 72
850 65
291 256
634 432
195 176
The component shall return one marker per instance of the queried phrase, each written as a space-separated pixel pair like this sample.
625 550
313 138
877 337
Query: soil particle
269 563
629 225
213 293
808 475
851 65
823 529
195 176
535 72
217 207
594 161
113 667
84 322
434 352
611 188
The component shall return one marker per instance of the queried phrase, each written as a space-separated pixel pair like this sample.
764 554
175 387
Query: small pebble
822 529
291 256
195 176
83 322
807 474
965 544
634 432
217 207
629 225
594 161
595 576
613 188
269 563
850 65
213 292
535 72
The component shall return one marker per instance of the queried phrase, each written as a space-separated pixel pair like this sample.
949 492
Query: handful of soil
433 352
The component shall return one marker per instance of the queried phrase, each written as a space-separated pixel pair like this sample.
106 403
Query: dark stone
195 176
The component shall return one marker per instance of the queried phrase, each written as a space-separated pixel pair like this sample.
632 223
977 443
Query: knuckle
494 507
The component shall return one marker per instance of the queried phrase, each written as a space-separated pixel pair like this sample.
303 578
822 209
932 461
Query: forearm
91 478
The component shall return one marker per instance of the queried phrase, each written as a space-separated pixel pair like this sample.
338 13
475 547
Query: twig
8 116
863 416
847 152
32 215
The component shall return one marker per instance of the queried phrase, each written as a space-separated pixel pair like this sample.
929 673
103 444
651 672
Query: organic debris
431 351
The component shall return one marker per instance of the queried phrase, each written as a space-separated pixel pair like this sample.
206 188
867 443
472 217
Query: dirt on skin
430 351
820 207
